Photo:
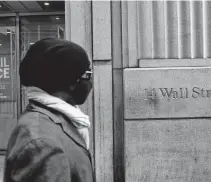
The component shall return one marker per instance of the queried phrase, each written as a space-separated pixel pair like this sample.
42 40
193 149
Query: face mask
81 91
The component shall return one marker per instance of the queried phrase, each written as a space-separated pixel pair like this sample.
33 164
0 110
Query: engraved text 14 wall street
167 92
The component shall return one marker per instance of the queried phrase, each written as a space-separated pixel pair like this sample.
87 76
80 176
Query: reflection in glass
34 28
7 61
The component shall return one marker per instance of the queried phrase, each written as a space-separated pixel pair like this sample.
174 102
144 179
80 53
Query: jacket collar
59 119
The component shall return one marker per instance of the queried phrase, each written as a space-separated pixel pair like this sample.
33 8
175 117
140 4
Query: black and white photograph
105 91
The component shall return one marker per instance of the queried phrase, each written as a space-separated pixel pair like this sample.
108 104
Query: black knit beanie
52 64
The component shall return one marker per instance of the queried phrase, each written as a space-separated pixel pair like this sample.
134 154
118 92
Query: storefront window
34 28
7 78
7 61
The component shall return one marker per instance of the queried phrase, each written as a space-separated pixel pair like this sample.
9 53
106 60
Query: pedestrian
50 142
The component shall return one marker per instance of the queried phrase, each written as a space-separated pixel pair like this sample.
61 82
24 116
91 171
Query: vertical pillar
117 71
103 106
78 29
89 25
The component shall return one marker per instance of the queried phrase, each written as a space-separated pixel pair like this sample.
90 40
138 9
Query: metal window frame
42 13
17 63
32 14
8 15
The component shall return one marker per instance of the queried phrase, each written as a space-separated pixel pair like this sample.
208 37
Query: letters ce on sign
167 92
5 79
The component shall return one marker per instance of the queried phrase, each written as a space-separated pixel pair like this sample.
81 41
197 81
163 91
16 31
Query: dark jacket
42 148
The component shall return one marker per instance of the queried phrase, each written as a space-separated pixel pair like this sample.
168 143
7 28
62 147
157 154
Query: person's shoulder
33 129
32 123
28 117
30 126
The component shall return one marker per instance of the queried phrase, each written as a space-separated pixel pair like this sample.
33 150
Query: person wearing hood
50 142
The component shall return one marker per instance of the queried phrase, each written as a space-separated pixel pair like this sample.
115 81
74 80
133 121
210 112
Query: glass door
8 80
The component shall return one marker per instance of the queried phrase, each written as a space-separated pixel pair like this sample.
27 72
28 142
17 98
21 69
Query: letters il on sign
5 78
4 68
